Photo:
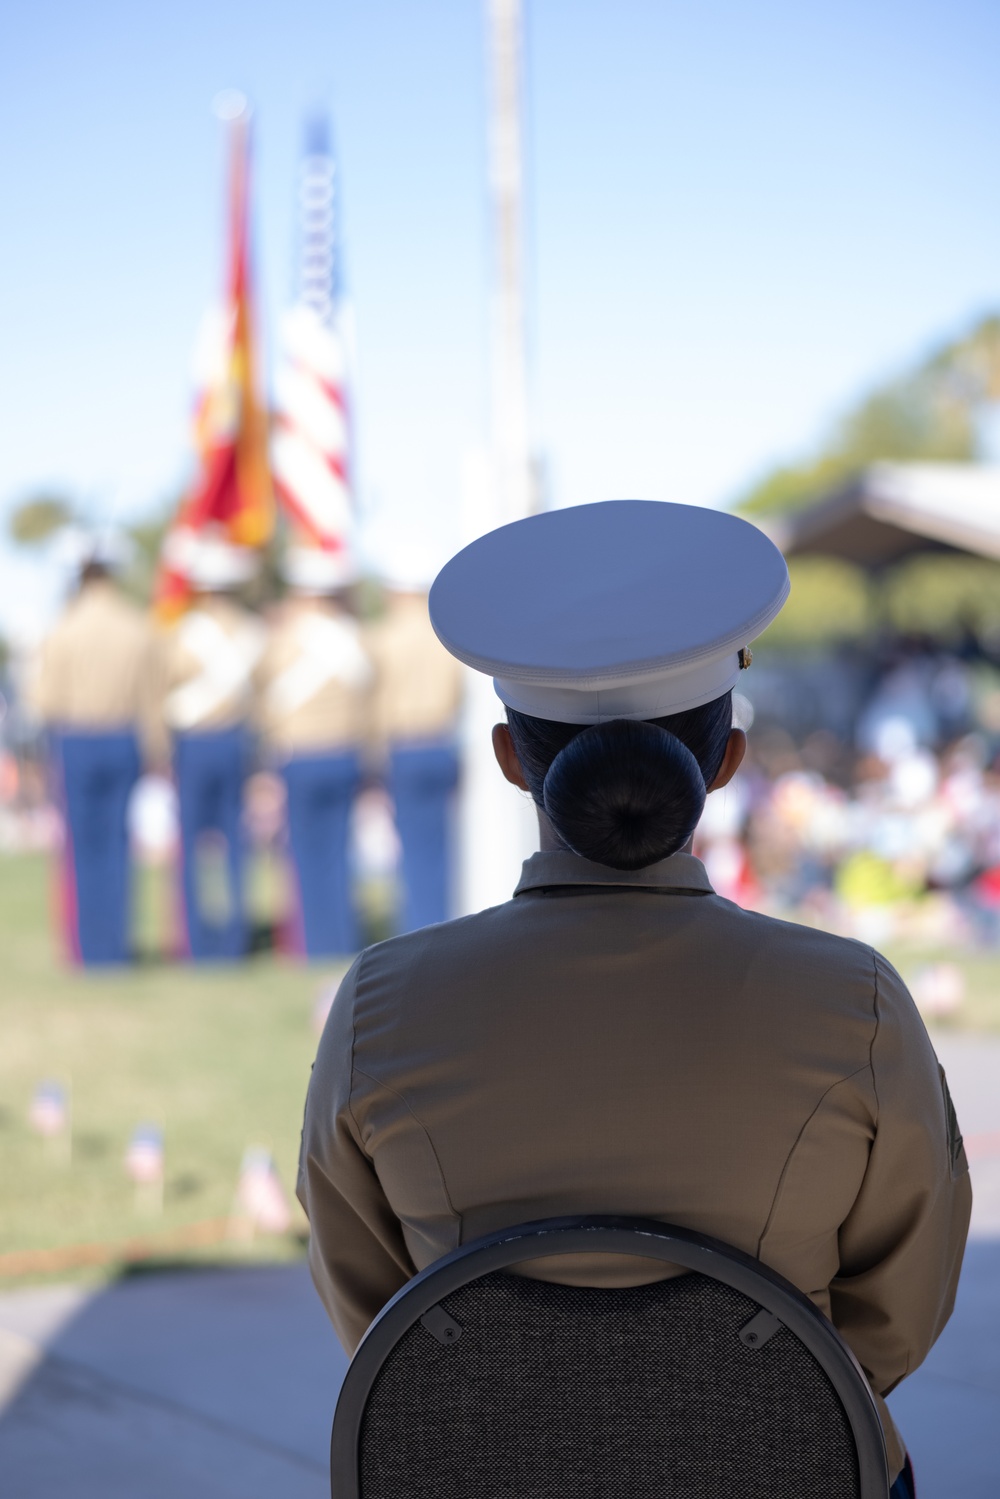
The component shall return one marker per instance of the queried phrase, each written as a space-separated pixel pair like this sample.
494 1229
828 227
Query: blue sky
739 216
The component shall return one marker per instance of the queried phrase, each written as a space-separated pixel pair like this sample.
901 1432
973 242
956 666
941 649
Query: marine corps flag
231 496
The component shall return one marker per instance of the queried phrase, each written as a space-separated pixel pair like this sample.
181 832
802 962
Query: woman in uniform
617 1038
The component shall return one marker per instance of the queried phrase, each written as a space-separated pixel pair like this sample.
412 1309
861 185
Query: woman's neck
549 841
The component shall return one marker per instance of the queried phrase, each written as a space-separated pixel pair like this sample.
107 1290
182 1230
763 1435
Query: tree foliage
946 598
37 519
831 603
146 538
927 413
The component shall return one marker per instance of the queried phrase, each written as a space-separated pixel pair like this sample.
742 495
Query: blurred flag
231 498
260 1197
310 449
144 1156
48 1113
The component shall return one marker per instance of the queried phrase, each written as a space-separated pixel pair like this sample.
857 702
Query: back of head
593 621
624 793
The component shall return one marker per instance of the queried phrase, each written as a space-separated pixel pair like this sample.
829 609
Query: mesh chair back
489 1385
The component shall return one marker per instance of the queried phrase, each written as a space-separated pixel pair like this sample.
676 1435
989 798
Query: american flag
310 447
260 1195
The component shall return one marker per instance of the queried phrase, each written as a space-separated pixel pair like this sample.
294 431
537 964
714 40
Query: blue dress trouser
903 1487
321 790
210 766
422 779
97 773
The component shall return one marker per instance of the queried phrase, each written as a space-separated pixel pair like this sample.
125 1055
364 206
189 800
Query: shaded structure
892 510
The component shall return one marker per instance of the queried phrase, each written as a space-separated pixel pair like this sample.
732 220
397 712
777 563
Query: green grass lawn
219 1057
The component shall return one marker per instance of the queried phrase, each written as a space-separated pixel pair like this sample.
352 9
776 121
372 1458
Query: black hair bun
625 793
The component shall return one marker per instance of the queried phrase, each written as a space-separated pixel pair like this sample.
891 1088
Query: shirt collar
679 872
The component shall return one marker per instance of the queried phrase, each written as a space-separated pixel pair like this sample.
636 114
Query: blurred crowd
891 831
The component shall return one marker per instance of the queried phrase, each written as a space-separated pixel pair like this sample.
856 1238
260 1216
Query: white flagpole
498 825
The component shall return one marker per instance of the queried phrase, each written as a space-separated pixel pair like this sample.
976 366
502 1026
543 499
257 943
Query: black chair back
723 1383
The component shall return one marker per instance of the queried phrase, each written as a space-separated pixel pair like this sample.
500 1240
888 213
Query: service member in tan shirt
96 693
313 699
617 1038
418 689
210 655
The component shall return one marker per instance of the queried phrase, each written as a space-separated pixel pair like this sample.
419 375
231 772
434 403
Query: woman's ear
731 760
503 748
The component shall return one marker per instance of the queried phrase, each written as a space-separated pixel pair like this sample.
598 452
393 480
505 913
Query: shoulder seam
424 1131
354 1041
795 1145
878 1020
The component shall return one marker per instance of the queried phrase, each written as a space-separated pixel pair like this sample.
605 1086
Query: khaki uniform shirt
98 669
418 685
314 682
612 1042
210 656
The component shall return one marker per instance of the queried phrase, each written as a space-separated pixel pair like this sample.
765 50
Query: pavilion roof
891 510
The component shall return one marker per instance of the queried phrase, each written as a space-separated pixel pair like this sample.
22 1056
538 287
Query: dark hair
625 793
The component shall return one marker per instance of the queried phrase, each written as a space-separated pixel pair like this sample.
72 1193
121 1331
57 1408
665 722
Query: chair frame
643 1238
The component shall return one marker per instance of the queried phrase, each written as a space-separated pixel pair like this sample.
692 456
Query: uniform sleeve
901 1245
357 1254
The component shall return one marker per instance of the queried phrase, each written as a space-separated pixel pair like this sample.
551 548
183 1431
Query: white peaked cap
208 561
314 570
623 609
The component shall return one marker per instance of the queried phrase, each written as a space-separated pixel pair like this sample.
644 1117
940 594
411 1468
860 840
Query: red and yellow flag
231 497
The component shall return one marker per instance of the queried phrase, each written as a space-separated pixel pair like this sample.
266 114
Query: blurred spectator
96 692
210 656
416 704
902 698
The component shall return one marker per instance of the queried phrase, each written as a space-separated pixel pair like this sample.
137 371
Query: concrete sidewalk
201 1383
218 1383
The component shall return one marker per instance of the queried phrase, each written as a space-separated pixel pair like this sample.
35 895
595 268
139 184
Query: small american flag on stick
48 1113
144 1164
144 1156
260 1196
